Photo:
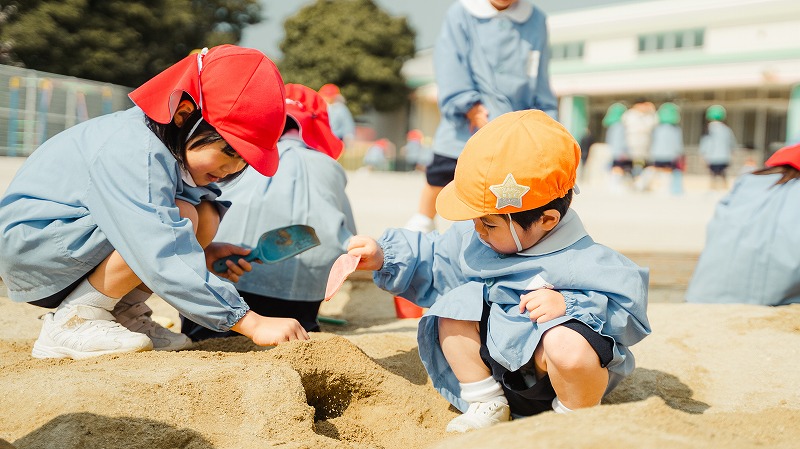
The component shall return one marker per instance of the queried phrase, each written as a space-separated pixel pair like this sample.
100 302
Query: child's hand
217 250
368 249
543 304
266 331
478 116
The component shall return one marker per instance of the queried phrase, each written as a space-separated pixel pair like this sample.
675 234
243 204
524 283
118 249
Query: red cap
310 111
329 91
414 134
785 156
240 92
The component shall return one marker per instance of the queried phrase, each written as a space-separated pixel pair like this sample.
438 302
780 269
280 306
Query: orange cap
519 161
329 91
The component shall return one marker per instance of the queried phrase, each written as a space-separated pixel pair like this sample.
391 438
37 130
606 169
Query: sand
708 376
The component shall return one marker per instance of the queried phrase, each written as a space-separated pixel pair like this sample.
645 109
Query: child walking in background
309 189
621 163
665 151
113 228
716 146
491 57
750 254
527 313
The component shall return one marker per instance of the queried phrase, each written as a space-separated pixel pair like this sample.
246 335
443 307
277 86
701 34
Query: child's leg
461 345
574 367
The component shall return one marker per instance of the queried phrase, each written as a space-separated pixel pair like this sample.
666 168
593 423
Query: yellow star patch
509 193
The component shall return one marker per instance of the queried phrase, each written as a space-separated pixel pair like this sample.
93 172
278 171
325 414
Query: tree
353 44
120 41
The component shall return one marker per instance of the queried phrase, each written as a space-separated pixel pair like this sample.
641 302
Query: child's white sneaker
420 223
136 317
81 331
480 415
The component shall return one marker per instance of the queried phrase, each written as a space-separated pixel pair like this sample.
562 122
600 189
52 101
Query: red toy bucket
406 309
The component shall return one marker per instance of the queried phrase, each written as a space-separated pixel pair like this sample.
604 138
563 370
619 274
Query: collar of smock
187 178
567 232
482 9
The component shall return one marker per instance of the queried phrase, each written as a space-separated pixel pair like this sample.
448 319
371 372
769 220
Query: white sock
560 408
485 390
85 294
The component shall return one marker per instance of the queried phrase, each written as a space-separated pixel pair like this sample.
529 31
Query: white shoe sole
41 351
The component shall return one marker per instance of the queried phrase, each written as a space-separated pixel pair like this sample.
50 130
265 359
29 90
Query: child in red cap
309 189
527 313
339 116
752 241
99 212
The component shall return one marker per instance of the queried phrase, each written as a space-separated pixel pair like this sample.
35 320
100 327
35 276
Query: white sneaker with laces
420 223
81 331
136 317
480 415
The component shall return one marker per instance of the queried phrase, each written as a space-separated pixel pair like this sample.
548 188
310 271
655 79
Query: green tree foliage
120 41
353 44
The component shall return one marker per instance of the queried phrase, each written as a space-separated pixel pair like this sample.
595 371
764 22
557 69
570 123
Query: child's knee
208 222
568 350
189 211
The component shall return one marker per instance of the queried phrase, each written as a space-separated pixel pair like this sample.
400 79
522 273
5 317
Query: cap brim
265 162
450 206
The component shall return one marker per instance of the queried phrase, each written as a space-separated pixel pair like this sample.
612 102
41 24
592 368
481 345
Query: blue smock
103 185
341 120
667 143
717 145
309 189
752 250
455 273
497 58
617 142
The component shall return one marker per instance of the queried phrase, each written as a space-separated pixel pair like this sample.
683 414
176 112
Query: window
566 51
671 41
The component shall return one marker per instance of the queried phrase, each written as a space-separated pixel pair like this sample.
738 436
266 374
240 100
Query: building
742 54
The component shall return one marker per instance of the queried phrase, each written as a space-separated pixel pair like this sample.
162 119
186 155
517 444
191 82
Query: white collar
187 178
482 9
568 231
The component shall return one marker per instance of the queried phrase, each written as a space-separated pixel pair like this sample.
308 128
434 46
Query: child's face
209 163
494 230
502 4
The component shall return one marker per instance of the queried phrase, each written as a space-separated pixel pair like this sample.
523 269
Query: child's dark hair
175 138
787 173
290 125
528 217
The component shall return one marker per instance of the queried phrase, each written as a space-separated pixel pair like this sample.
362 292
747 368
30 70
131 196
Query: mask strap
514 233
200 55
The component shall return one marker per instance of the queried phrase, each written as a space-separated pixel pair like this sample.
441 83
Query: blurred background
65 62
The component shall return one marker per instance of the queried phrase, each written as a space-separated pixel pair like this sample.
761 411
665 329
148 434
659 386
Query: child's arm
266 331
543 304
367 248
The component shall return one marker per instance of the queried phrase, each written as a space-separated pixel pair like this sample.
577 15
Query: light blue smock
309 189
716 146
499 59
617 142
341 120
455 273
108 183
752 250
667 143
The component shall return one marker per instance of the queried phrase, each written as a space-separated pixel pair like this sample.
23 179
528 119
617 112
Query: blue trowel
276 245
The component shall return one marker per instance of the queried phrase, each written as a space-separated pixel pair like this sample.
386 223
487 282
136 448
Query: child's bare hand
218 250
368 249
478 116
267 331
543 304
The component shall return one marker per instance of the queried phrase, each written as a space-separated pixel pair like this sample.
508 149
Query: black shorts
303 311
718 169
441 171
525 401
55 300
664 164
625 164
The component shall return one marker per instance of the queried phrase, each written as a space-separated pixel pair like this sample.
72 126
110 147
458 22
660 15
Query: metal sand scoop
276 245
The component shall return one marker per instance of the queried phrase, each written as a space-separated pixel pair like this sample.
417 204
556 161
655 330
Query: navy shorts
718 169
525 401
441 171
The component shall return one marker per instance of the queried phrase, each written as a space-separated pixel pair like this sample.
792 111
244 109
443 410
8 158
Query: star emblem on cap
509 193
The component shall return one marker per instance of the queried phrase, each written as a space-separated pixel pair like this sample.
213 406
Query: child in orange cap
106 211
527 313
309 189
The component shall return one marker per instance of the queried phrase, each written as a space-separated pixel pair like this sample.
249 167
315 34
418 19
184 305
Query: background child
339 116
621 163
716 145
80 242
491 57
750 254
527 312
308 188
665 150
